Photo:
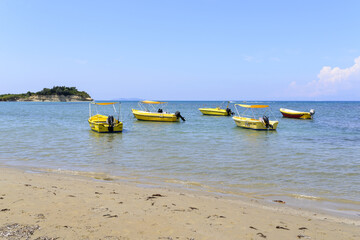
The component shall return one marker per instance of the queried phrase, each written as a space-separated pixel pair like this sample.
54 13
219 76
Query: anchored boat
218 111
296 114
247 118
154 111
104 124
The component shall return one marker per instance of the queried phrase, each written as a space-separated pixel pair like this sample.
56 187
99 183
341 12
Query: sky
183 49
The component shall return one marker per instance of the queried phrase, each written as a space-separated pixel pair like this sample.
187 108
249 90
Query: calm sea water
303 159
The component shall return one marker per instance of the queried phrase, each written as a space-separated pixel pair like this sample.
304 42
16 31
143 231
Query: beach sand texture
60 206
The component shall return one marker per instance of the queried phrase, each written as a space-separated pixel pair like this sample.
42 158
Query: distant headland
55 94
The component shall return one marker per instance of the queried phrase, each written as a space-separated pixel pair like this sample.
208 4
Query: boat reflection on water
254 138
104 140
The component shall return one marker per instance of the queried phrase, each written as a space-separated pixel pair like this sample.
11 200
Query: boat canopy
105 103
152 102
252 106
93 108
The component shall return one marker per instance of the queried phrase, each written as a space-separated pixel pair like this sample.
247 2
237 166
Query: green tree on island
56 90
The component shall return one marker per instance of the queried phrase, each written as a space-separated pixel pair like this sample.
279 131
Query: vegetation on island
56 90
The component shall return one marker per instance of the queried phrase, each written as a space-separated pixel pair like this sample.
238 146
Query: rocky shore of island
54 98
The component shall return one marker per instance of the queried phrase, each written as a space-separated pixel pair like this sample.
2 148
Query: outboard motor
160 110
229 112
111 121
312 112
266 122
178 115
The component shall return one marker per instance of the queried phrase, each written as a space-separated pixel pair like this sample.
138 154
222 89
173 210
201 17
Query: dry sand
59 206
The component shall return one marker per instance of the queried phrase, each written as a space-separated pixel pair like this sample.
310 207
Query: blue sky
183 50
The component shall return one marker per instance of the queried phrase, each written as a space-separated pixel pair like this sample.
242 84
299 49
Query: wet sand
60 206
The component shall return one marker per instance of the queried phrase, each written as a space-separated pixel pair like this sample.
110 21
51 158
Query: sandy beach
61 206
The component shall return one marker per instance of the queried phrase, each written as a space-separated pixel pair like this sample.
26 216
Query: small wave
197 184
301 196
95 175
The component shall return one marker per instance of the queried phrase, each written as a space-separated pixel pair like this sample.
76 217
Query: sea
305 163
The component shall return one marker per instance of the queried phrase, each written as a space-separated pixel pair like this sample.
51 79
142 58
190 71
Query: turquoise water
303 159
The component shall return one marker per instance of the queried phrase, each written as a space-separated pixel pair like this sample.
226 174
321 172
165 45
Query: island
55 94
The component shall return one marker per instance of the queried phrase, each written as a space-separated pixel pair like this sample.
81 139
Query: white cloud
330 81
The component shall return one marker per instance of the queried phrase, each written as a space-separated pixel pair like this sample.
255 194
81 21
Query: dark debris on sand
284 228
261 235
156 195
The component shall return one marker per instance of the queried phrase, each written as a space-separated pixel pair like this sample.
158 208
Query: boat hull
152 116
98 124
214 111
253 123
295 114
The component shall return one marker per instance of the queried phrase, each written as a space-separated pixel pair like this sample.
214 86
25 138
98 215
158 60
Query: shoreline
337 208
74 206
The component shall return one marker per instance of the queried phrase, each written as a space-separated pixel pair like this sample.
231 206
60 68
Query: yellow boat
296 114
218 111
151 113
104 124
249 121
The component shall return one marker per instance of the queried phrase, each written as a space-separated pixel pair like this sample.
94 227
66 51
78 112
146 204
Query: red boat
296 114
